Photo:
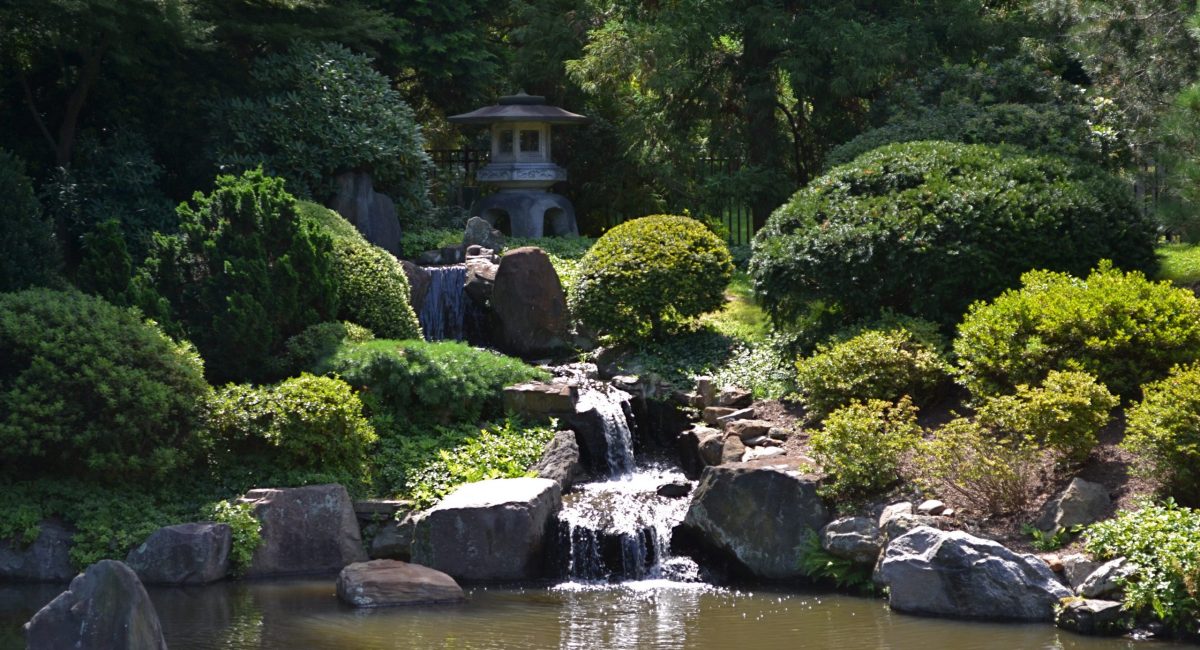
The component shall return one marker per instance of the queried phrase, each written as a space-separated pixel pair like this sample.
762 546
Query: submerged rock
305 530
758 517
491 530
106 606
939 573
386 583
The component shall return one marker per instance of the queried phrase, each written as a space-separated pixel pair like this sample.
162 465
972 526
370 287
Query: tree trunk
75 103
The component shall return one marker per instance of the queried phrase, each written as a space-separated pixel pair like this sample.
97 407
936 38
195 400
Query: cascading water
620 528
442 313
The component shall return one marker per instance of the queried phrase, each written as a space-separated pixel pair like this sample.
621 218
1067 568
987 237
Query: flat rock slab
386 583
105 607
938 573
758 516
185 554
305 530
495 530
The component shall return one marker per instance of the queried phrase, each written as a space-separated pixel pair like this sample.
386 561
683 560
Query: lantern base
528 213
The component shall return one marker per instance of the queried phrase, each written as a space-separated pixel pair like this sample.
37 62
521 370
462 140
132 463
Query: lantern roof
519 108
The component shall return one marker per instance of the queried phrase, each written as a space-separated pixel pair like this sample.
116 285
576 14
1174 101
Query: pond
305 614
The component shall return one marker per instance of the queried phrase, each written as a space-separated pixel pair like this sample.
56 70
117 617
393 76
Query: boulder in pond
1093 617
852 538
529 305
494 530
47 559
759 517
386 583
106 606
939 573
185 554
305 530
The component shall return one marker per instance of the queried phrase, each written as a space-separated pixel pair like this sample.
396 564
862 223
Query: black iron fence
717 197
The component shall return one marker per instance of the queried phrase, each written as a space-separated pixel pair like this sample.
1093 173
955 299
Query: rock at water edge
759 517
492 530
305 530
47 559
560 461
106 606
385 583
1093 617
939 573
852 538
185 554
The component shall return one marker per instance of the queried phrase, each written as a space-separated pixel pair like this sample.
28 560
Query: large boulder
529 304
305 530
852 538
495 530
538 400
384 583
106 606
374 214
758 517
185 554
560 461
47 559
939 573
1082 502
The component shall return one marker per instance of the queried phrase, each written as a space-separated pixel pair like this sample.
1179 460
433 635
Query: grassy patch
1180 263
741 318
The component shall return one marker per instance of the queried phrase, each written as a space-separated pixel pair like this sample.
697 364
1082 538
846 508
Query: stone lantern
521 168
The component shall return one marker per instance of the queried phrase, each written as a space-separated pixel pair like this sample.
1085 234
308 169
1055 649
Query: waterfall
605 409
441 315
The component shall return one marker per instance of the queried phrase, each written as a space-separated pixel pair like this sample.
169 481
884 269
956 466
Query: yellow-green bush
1064 413
875 364
861 446
1120 327
1164 431
649 273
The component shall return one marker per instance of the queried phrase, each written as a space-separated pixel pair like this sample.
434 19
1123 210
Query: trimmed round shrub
243 275
373 289
87 388
965 463
407 385
28 253
648 273
306 423
875 364
319 110
861 445
1164 432
926 228
1065 413
317 343
1119 327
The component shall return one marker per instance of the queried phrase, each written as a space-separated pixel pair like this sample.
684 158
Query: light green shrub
650 273
317 343
862 444
89 389
1119 327
1064 413
875 364
964 461
1164 432
247 531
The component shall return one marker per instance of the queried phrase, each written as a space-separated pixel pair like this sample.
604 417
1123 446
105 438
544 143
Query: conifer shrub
927 228
243 275
29 254
1119 327
311 348
90 389
648 274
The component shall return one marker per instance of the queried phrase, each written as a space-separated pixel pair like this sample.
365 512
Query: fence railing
454 184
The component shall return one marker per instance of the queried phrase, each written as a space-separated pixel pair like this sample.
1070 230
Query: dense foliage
1164 432
862 444
89 389
926 228
304 424
1120 327
409 384
320 110
1164 542
875 364
966 462
243 275
373 289
649 273
28 253
317 343
246 529
1064 413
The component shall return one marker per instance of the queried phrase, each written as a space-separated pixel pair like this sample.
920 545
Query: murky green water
304 615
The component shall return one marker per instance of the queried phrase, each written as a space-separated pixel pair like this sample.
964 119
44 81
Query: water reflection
305 614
